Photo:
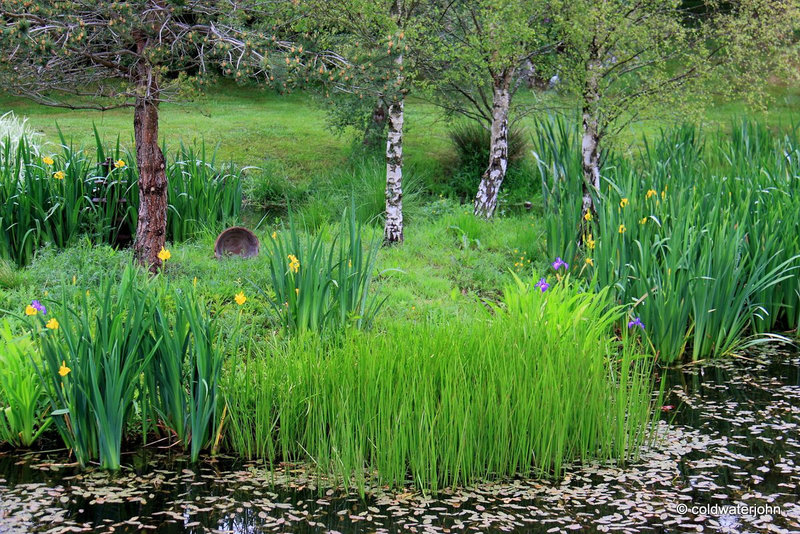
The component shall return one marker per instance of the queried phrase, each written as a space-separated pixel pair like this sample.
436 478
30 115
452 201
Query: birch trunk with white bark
393 229
495 173
590 143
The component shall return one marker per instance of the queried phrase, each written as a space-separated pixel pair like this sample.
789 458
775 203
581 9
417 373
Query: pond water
727 459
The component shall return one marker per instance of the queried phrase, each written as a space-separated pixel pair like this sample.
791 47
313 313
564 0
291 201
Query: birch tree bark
590 152
152 224
393 230
495 173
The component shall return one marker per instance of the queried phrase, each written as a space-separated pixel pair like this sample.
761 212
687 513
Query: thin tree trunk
152 226
495 173
590 144
393 230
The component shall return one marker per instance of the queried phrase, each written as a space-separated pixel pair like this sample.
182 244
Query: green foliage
22 395
521 393
364 181
185 371
56 198
91 363
685 235
315 286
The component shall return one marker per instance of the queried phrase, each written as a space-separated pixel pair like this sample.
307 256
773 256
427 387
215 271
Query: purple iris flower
542 284
36 305
559 263
636 322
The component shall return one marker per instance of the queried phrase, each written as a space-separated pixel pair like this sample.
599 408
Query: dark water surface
732 440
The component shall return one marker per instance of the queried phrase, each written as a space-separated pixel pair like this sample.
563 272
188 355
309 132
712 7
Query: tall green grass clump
135 352
472 141
314 285
541 383
687 235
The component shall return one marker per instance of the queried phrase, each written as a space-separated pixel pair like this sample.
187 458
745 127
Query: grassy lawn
252 127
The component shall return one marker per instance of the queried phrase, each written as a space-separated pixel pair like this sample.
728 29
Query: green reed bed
55 194
539 383
697 234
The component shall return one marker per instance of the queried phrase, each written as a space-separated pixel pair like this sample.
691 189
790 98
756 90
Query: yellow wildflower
664 194
622 228
52 324
164 254
297 291
64 370
651 193
119 164
623 202
59 175
590 242
30 310
588 216
240 298
294 263
274 235
643 221
47 160
590 261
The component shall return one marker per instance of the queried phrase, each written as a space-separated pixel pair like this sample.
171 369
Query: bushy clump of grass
364 179
23 416
315 285
686 235
55 198
271 189
541 383
94 350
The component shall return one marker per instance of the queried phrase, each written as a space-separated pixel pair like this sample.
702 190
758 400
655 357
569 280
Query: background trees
628 61
474 55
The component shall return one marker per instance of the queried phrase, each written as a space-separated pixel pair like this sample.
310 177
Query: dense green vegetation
361 361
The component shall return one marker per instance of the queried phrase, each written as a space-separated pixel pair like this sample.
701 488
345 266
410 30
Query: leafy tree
476 50
628 61
370 38
103 55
